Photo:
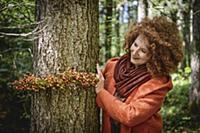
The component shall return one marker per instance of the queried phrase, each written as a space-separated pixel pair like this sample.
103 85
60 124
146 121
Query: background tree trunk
142 9
68 39
194 96
150 9
184 22
117 29
108 29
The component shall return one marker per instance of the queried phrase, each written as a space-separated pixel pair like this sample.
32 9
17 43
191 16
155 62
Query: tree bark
68 38
185 23
142 9
117 29
194 95
108 29
150 9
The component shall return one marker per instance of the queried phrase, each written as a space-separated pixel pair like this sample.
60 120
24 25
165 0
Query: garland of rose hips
58 81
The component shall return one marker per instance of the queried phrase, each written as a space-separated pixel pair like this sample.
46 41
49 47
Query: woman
132 88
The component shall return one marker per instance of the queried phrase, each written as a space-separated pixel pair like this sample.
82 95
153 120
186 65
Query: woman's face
139 50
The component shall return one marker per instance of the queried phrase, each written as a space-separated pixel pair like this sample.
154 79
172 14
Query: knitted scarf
128 77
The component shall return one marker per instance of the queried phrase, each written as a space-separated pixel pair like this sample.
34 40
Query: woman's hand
100 84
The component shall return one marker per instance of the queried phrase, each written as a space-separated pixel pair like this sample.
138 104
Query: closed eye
144 50
135 44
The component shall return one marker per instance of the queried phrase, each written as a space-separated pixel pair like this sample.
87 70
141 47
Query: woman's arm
102 76
138 110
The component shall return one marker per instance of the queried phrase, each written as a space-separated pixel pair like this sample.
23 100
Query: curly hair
165 43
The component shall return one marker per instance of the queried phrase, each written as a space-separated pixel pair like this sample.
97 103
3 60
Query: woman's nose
135 51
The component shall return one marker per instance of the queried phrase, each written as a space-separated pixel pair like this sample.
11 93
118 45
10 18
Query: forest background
18 30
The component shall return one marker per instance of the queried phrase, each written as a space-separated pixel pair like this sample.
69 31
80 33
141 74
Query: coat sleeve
109 64
98 99
138 110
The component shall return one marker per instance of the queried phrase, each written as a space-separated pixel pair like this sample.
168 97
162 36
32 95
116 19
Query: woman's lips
135 58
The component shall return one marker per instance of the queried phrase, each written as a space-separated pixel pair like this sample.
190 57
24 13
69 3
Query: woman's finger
100 75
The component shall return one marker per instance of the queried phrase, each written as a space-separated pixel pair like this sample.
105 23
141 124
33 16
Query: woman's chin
137 62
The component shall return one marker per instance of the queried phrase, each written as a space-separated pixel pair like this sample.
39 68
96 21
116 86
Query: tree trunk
68 38
117 30
194 96
142 9
185 23
108 29
150 9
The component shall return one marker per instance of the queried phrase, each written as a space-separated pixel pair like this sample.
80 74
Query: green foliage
15 52
16 17
165 7
175 110
16 12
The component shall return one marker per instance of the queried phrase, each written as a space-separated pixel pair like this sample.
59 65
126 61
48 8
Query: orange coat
140 112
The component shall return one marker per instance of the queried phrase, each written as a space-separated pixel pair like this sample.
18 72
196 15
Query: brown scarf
128 77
